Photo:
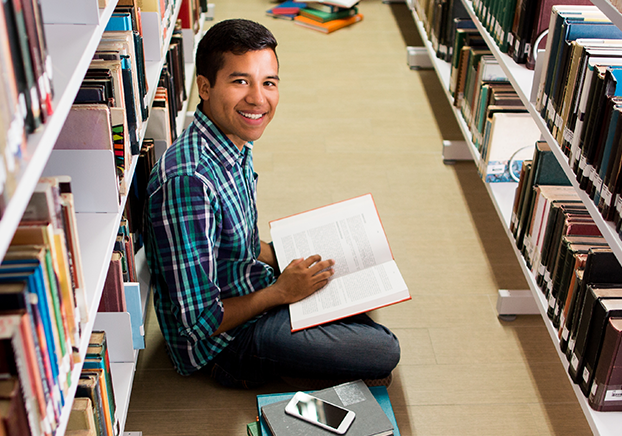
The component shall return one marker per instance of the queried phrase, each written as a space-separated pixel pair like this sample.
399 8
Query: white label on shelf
574 362
34 99
586 374
594 389
547 276
511 39
565 333
582 162
618 203
559 121
551 300
605 195
23 108
574 153
541 269
568 134
49 69
496 169
614 395
41 85
550 110
588 171
597 181
571 343
2 174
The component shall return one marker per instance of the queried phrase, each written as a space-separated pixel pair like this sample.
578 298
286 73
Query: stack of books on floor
372 407
323 16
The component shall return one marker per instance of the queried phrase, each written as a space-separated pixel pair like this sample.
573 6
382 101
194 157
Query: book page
350 232
355 293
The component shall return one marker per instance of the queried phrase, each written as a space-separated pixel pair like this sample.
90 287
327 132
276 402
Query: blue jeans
348 349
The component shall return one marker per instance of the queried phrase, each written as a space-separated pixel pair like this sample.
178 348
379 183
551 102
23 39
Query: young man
219 298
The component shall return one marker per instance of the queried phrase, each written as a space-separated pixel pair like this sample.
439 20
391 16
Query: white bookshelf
71 45
71 48
502 194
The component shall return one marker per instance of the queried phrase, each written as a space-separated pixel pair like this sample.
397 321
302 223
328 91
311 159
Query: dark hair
237 36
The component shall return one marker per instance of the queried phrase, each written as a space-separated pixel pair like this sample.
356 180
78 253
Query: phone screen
325 413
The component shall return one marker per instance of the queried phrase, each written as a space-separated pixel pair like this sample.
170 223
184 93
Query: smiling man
220 300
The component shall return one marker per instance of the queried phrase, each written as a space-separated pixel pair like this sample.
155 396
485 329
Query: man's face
244 98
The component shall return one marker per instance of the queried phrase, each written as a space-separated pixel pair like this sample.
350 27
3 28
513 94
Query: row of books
578 97
41 275
440 19
577 272
519 26
121 292
502 130
110 111
95 385
26 89
323 16
42 297
372 406
41 279
110 107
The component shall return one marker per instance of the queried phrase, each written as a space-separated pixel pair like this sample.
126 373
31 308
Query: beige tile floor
354 119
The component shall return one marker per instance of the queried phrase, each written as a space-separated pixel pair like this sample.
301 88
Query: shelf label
565 333
574 362
605 195
586 374
568 134
593 390
613 395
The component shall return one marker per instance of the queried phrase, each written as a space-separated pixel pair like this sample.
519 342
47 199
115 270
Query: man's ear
203 87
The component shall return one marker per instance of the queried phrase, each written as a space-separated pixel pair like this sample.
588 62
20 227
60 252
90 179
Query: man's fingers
309 261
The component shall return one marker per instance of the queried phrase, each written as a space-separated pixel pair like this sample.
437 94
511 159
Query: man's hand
302 277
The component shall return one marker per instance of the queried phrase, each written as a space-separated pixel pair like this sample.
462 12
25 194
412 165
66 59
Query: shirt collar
224 149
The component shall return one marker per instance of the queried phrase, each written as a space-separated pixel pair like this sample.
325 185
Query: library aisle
354 119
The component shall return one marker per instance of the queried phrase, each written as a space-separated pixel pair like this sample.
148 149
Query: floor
353 119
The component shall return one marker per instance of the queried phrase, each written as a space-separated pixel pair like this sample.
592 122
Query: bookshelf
502 194
71 45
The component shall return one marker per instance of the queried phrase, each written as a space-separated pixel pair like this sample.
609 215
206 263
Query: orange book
329 26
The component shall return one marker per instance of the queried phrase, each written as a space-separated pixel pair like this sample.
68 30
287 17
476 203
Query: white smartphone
319 412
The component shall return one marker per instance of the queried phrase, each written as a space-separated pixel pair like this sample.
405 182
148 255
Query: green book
323 17
252 429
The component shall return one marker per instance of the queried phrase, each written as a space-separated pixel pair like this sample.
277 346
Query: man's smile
251 115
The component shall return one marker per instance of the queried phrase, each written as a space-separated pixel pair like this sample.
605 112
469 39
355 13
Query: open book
350 232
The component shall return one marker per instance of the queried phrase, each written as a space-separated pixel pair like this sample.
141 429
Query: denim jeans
348 349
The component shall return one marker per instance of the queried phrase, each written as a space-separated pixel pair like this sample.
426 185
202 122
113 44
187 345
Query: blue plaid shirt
202 240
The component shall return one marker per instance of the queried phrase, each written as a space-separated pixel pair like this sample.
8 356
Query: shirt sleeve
184 217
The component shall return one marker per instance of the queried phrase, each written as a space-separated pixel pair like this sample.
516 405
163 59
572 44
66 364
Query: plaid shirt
202 240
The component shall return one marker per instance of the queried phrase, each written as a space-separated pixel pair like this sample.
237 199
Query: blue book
119 22
133 304
379 393
33 275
